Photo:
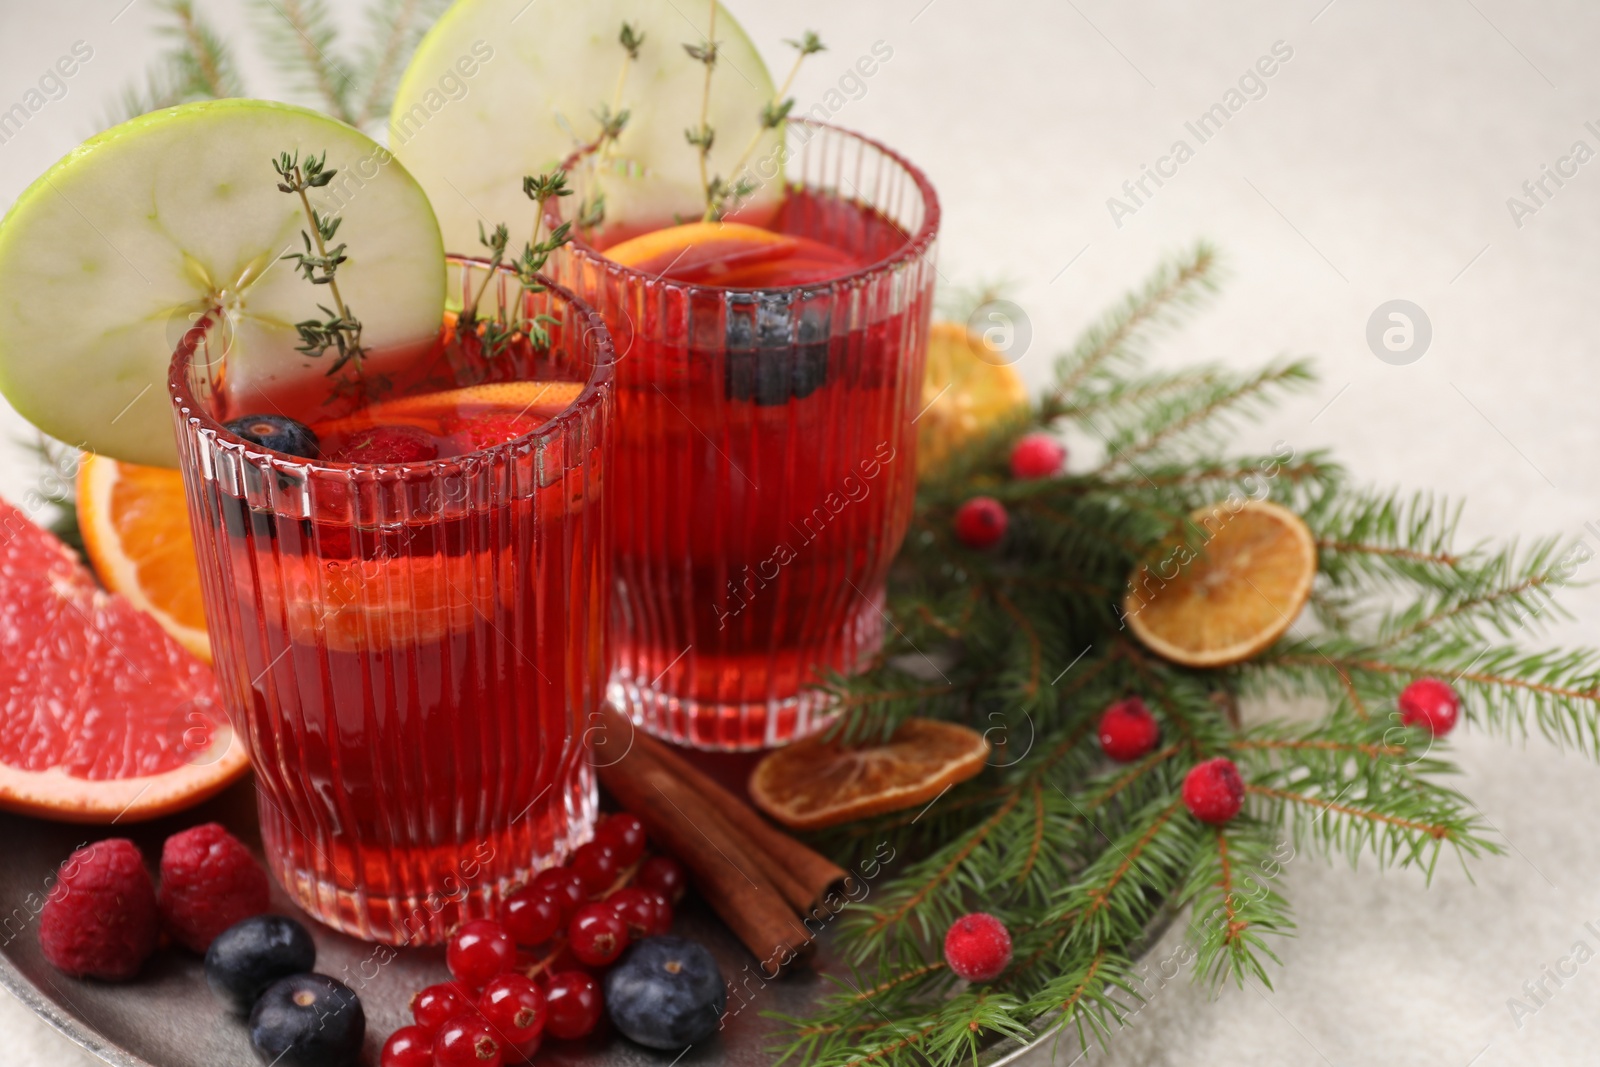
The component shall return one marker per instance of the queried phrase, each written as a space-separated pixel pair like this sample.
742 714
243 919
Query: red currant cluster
522 977
982 521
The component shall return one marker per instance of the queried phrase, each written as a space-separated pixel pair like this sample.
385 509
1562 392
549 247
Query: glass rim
914 247
595 387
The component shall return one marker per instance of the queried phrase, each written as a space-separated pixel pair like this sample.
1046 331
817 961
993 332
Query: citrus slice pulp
103 716
966 390
135 525
1235 597
812 784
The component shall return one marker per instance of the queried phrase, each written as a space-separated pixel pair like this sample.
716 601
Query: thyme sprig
702 137
319 264
611 119
500 331
774 114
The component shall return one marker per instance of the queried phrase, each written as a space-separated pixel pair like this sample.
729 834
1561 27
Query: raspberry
388 444
491 429
1213 791
977 947
209 881
1128 730
1037 455
981 522
1430 704
101 919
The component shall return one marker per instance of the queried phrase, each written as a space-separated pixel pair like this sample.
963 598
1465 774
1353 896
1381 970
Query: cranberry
478 951
531 915
625 833
572 1005
1128 731
436 1004
597 865
977 947
597 935
513 1004
467 1041
409 1046
981 522
637 909
1430 704
1037 455
564 887
1213 791
665 875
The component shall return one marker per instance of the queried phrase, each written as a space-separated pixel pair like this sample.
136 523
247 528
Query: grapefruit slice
121 247
103 717
812 783
966 390
1235 598
135 525
533 77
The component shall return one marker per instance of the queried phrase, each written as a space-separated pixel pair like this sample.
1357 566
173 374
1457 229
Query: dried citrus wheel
1235 596
812 783
966 389
136 529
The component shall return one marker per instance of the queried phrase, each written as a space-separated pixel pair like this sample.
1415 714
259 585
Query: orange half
812 784
1235 597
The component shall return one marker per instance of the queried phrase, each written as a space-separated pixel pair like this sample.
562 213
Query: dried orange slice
136 529
966 389
1232 599
812 784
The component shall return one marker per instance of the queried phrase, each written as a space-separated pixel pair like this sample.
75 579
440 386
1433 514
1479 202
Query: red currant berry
409 1046
1037 455
981 522
596 865
977 947
523 1053
1213 791
531 915
1128 730
625 833
572 1005
661 921
467 1041
637 909
437 1004
665 875
478 951
597 935
564 887
1430 704
513 1005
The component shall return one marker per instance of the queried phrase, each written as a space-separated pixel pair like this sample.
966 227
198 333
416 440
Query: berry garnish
249 956
437 1004
278 433
665 875
1430 704
467 1041
981 522
663 912
597 865
597 935
1037 455
308 1020
531 915
513 1005
667 993
572 1005
977 946
409 1046
491 429
636 908
387 444
209 881
478 951
1213 791
1128 730
564 887
101 919
625 833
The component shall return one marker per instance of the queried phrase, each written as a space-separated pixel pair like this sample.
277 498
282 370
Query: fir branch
394 28
1197 410
198 65
300 36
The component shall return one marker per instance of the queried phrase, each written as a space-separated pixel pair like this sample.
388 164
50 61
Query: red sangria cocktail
768 379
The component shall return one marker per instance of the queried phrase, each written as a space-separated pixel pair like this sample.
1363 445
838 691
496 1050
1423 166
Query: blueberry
249 956
772 354
308 1020
666 992
278 433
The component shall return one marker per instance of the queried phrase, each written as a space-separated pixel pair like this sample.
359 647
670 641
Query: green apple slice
109 257
499 89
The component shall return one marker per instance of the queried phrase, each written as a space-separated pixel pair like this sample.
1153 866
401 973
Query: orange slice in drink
1233 598
103 717
533 402
732 255
812 784
135 527
966 390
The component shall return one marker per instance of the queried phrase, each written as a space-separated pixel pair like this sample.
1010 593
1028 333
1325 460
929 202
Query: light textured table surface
1377 165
